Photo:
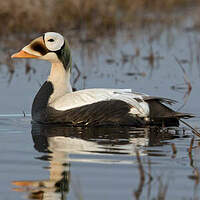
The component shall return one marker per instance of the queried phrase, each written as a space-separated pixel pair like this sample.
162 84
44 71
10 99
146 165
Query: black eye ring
51 40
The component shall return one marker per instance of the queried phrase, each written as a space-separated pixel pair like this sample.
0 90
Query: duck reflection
59 142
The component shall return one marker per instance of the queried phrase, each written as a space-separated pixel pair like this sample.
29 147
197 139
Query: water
48 162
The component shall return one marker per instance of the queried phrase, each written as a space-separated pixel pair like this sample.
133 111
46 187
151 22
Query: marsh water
49 162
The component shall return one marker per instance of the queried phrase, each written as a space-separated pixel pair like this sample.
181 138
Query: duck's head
51 47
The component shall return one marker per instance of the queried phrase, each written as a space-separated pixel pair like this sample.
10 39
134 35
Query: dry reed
138 192
174 150
27 16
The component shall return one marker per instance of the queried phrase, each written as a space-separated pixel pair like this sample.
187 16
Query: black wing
100 113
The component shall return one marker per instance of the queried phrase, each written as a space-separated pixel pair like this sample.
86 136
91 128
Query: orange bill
22 183
23 54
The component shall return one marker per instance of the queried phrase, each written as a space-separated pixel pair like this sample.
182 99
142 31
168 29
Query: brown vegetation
28 16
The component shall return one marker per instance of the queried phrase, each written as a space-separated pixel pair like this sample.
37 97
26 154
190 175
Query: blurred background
148 46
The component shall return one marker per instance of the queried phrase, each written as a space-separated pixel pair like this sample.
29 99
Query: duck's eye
51 40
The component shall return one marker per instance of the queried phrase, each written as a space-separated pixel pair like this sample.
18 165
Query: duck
57 103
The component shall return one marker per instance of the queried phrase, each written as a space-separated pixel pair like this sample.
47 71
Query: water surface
49 162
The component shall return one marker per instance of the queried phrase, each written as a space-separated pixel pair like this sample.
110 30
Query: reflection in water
59 142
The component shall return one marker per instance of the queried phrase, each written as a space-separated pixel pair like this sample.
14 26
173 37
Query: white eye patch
53 41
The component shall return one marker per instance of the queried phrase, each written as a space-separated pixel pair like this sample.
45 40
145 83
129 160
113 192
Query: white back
89 96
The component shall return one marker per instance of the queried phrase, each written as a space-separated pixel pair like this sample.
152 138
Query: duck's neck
60 79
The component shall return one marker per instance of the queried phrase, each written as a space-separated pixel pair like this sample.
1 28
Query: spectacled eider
55 102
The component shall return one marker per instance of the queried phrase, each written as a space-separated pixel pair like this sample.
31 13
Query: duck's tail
162 115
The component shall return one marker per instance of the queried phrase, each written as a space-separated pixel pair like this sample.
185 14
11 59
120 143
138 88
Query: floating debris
143 74
110 61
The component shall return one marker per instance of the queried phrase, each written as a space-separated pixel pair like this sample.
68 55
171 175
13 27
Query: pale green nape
65 56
